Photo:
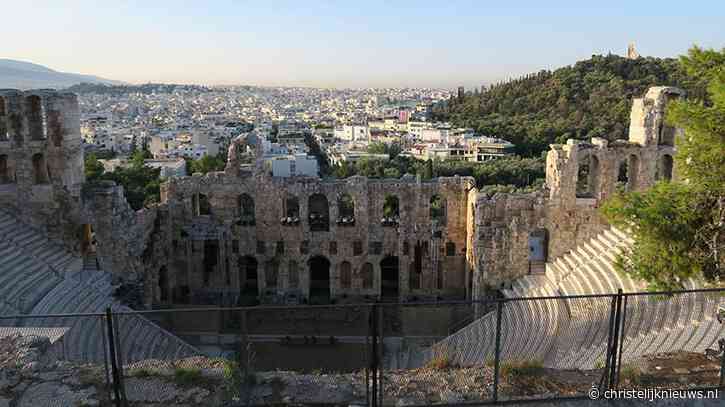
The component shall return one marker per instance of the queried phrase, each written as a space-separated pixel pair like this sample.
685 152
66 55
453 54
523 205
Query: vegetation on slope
679 227
591 98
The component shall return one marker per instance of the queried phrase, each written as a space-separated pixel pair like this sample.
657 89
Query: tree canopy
679 227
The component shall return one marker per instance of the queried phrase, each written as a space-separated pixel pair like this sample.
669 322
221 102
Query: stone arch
319 268
345 275
34 113
413 276
247 266
40 169
439 275
5 177
538 250
390 277
245 209
437 210
201 205
666 166
450 249
319 213
367 276
293 274
345 208
623 173
4 136
54 127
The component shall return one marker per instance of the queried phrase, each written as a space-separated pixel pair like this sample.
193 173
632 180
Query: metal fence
375 354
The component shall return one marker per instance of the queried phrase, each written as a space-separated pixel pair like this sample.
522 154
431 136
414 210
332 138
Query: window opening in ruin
406 248
357 249
40 170
333 247
375 248
163 285
304 247
389 278
202 205
293 274
319 280
4 136
665 170
345 275
4 170
538 250
623 174
36 125
346 210
261 247
366 273
235 246
271 272
439 275
666 133
587 177
245 208
291 215
413 277
633 171
450 249
247 267
280 247
211 258
438 210
391 211
227 273
319 213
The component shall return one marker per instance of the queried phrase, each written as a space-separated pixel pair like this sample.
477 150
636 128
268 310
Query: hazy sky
358 43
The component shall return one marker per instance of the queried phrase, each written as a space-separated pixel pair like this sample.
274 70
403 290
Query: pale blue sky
345 44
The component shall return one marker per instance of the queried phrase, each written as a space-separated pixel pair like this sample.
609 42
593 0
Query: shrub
522 368
187 376
439 362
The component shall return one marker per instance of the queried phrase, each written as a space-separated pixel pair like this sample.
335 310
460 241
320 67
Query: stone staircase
572 333
39 277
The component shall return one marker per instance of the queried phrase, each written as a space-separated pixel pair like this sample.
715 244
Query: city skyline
419 44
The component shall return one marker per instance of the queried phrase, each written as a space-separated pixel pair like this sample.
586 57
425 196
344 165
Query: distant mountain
25 75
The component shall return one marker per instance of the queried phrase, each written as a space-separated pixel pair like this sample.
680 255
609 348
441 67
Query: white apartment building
353 133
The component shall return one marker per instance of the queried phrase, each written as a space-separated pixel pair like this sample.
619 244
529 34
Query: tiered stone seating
573 333
38 277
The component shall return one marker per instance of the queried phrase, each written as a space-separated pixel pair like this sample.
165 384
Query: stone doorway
390 278
319 280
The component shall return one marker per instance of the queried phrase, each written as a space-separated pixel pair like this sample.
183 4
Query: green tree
679 228
93 168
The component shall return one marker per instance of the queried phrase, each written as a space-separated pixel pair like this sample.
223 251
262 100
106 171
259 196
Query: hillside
591 98
25 75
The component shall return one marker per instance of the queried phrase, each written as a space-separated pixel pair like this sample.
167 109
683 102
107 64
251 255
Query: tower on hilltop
632 52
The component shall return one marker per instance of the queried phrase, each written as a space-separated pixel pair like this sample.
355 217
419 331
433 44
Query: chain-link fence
381 353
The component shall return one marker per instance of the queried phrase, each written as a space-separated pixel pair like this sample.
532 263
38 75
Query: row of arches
319 210
41 123
628 169
40 175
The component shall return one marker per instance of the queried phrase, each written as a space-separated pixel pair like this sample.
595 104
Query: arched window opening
55 127
367 276
345 275
413 276
346 210
4 170
389 276
291 215
40 170
319 213
293 274
211 259
623 174
271 273
36 125
538 250
391 211
439 275
438 210
245 208
3 121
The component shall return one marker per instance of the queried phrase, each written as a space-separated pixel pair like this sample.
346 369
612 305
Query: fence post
623 321
105 354
497 355
381 350
615 339
114 362
604 382
374 353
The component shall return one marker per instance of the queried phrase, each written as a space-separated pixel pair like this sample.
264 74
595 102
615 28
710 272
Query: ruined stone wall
270 240
42 160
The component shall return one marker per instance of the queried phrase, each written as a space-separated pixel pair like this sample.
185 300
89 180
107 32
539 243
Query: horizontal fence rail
409 353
